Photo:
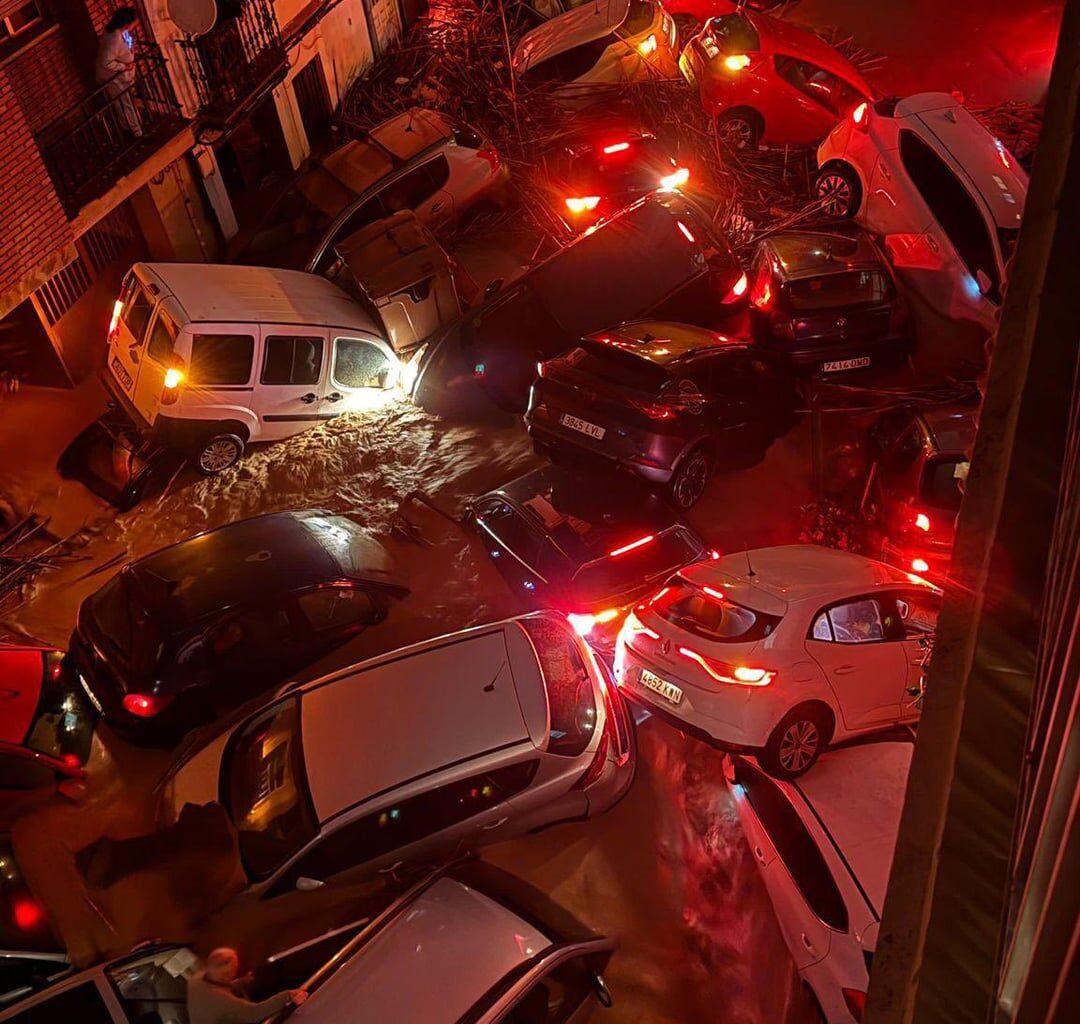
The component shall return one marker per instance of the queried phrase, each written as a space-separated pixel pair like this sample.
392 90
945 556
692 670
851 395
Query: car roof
21 673
433 961
774 578
662 342
456 720
799 254
584 519
790 39
944 123
276 553
410 133
857 795
219 293
573 28
951 429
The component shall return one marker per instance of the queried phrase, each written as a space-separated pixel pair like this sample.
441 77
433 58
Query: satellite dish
193 17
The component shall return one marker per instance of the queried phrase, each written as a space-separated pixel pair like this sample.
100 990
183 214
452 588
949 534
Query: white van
206 358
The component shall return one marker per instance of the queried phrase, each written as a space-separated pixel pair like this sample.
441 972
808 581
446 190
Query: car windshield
734 33
616 574
119 617
837 291
617 366
568 685
713 616
266 790
941 484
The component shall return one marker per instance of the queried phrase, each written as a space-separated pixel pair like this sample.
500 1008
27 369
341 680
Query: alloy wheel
834 192
735 133
218 455
798 746
691 481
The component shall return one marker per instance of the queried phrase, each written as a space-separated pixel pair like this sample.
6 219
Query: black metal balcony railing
110 132
237 61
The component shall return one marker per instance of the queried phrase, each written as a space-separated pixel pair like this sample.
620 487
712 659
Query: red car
767 80
45 727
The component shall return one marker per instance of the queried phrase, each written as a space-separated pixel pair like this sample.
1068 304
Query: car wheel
795 744
738 130
838 190
221 452
689 481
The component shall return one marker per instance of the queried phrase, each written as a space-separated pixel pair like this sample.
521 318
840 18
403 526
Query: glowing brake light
145 705
922 522
714 555
736 61
676 179
584 623
738 675
639 543
616 147
714 593
647 46
860 116
114 323
686 232
920 565
738 289
855 1000
174 377
582 204
27 914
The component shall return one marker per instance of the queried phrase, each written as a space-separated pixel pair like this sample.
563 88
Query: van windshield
265 790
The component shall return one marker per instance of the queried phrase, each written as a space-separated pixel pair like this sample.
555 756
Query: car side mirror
305 884
982 279
493 288
603 994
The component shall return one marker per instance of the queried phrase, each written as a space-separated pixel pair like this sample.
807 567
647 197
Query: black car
192 631
827 301
667 401
660 257
587 545
590 174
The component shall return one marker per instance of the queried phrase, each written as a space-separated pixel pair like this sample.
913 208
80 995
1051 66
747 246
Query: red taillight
639 543
654 410
616 147
922 522
738 289
676 179
171 385
855 1002
541 370
737 675
145 705
860 116
714 555
114 323
596 766
582 204
715 594
584 622
491 155
686 232
27 914
920 565
71 760
737 61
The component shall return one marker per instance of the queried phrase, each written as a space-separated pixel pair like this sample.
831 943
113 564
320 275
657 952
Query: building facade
176 164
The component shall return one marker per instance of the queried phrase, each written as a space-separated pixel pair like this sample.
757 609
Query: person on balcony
114 67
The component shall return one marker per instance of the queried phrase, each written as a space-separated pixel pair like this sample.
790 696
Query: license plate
121 374
669 691
582 426
836 365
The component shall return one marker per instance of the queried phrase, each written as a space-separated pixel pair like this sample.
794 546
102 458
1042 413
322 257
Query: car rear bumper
123 403
811 357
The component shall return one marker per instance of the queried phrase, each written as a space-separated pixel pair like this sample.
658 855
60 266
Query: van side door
362 370
157 355
127 337
290 384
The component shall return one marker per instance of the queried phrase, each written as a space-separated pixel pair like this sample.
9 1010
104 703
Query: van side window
162 340
136 310
359 364
292 360
221 358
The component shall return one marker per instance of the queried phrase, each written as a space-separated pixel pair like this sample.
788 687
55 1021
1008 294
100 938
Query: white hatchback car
462 740
825 846
781 651
945 194
598 44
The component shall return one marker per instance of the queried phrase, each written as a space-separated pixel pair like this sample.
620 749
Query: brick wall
45 79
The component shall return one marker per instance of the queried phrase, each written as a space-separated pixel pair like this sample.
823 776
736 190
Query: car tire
795 744
219 453
739 130
691 477
838 190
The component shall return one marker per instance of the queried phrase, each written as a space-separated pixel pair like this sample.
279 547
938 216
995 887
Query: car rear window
940 485
221 358
831 291
617 366
734 33
568 684
638 18
612 575
265 789
634 170
713 617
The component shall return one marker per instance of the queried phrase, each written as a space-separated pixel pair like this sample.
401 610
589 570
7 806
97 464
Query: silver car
462 740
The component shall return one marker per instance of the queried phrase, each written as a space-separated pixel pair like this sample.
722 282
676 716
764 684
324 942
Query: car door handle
309 398
335 396
759 853
843 670
495 824
807 943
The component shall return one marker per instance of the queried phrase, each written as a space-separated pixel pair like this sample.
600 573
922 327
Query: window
136 309
394 827
822 630
794 845
556 997
941 483
570 64
465 136
907 449
569 687
717 619
342 611
638 18
511 530
735 33
853 288
292 360
360 364
221 358
953 208
415 187
18 19
162 340
857 622
22 974
147 990
919 610
608 577
820 85
366 213
82 1003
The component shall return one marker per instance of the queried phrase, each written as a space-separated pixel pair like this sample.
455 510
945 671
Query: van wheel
689 481
221 452
795 744
838 190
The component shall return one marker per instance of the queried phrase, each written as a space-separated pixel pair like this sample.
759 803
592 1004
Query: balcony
109 133
236 63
